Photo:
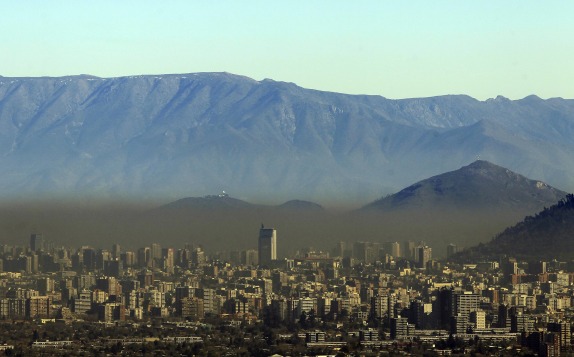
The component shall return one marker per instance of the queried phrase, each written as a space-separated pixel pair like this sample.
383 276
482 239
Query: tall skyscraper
36 242
267 245
424 256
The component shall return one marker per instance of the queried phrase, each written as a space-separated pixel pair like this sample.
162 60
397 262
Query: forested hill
548 235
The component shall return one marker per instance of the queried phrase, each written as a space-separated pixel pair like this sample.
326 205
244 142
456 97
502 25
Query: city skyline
363 300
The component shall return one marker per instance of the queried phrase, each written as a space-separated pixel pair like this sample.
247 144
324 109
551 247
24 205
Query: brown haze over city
133 225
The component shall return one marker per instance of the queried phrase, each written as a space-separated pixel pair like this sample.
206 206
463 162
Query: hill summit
481 185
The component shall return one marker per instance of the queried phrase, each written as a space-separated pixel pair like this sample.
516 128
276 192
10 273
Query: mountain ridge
178 135
226 202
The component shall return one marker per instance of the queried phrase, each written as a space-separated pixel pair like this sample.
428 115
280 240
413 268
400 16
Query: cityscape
361 297
287 178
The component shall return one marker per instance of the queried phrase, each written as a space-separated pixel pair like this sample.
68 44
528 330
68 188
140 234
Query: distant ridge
224 202
212 202
300 205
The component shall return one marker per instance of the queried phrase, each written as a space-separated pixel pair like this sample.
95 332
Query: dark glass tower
36 242
267 245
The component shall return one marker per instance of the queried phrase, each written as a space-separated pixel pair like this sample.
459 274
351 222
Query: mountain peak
532 98
499 99
482 164
484 167
479 185
210 202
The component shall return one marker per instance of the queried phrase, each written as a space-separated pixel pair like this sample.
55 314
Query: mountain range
172 136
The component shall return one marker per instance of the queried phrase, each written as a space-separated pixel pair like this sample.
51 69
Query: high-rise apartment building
116 251
128 258
392 248
478 319
409 248
144 257
367 252
168 260
380 306
267 245
399 328
424 256
249 257
38 306
562 329
156 251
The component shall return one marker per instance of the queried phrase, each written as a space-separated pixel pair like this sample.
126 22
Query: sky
397 49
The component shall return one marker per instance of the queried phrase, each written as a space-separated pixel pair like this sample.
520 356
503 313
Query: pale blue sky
396 49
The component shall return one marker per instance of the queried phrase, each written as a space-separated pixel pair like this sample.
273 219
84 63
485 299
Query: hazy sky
393 48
